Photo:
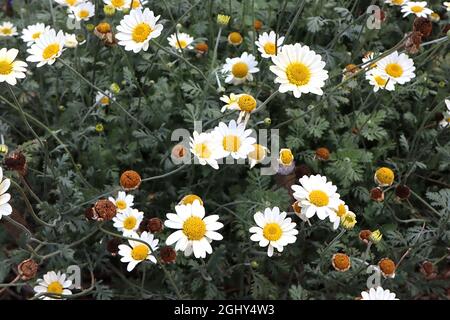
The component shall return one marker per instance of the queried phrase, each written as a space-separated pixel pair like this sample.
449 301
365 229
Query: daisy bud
341 262
126 10
376 236
168 255
27 269
402 192
323 154
3 149
387 267
115 88
178 26
16 161
384 177
130 180
348 220
377 194
155 225
61 108
190 198
99 127
423 25
109 10
223 19
105 209
442 85
267 121
429 270
254 264
364 236
113 246
235 38
257 24
103 27
90 214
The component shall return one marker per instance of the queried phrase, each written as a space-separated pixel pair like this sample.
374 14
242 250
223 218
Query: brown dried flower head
201 48
364 236
257 24
387 267
423 26
27 269
16 161
323 154
377 194
341 262
90 214
402 192
130 180
105 210
155 225
168 254
413 41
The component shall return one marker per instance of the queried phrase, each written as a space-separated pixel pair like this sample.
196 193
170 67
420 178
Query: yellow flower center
231 143
416 9
269 48
194 228
50 51
448 120
141 32
121 204
6 30
129 223
202 150
385 176
286 157
6 67
118 3
298 74
104 100
181 44
190 198
380 81
272 231
341 261
83 14
235 38
239 69
348 221
394 70
398 2
36 35
341 210
55 287
136 4
318 198
258 153
247 103
71 2
140 252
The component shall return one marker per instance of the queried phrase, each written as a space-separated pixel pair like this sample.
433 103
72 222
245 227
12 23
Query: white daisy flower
54 283
446 121
47 48
399 68
123 201
11 69
33 32
418 8
447 5
136 252
5 207
317 196
71 41
233 140
273 230
203 147
231 102
195 231
341 211
138 4
82 12
257 155
299 69
240 69
380 81
180 41
7 29
69 3
137 29
118 4
378 294
104 100
266 44
128 221
396 2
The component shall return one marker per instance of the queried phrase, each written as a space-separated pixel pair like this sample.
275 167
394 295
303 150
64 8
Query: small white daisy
203 147
418 8
104 100
11 69
82 12
399 68
233 139
380 81
118 4
231 102
137 252
69 3
53 283
5 207
444 123
257 155
266 44
240 69
33 32
180 41
47 48
273 230
396 2
341 211
195 231
378 294
7 29
71 41
123 201
137 29
447 5
317 196
128 221
299 69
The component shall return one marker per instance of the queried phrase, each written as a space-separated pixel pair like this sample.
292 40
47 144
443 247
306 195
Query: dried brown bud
168 254
429 270
423 25
413 41
201 47
130 180
90 214
387 267
323 154
155 225
402 192
105 209
27 269
113 246
257 24
16 161
364 236
355 130
377 194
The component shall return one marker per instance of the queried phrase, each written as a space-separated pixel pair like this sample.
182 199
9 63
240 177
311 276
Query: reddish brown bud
323 154
113 246
423 26
130 180
16 161
402 192
27 269
168 254
377 194
105 210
